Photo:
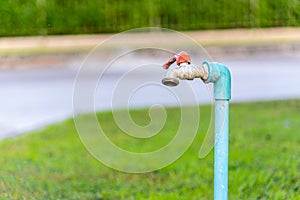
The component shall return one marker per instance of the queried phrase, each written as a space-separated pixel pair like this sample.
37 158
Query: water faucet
185 70
219 75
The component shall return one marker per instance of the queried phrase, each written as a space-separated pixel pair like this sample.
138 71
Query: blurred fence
42 17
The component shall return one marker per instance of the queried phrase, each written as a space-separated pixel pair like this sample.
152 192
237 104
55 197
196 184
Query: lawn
264 160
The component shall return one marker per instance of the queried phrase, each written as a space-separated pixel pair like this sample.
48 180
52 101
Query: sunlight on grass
264 160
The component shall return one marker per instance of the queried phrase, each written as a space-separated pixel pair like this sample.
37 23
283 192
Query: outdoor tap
219 75
184 70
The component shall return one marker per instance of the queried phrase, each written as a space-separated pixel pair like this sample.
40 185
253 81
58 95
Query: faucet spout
185 72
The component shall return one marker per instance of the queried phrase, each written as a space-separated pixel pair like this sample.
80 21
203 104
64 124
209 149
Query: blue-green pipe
221 150
220 76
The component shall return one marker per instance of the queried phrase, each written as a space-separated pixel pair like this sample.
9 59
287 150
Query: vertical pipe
219 74
221 150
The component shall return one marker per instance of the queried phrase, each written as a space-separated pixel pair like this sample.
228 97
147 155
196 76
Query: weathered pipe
212 72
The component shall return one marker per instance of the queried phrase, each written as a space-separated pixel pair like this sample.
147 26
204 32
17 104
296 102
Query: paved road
34 97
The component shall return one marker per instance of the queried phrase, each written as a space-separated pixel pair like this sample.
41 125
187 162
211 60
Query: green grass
264 160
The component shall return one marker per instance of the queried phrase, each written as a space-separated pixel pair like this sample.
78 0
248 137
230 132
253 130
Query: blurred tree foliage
42 17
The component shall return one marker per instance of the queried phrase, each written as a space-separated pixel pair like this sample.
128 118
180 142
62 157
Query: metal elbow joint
220 75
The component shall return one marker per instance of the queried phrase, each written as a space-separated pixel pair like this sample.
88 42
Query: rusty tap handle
170 62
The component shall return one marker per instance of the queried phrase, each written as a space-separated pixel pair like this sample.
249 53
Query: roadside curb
70 50
230 39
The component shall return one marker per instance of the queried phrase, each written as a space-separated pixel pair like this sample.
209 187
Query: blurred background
48 17
44 42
